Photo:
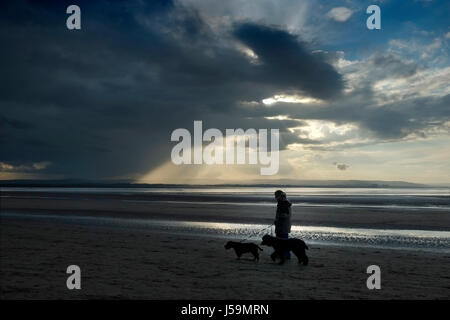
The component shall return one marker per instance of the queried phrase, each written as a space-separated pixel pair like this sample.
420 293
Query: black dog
241 248
282 246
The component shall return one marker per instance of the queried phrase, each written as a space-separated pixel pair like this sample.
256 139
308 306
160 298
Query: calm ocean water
419 198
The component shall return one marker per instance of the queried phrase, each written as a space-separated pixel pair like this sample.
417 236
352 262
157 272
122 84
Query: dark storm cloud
388 122
400 119
103 101
341 166
288 62
15 124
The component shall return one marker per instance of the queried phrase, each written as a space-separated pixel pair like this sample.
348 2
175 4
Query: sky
102 102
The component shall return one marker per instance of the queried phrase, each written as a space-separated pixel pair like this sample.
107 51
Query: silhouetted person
283 217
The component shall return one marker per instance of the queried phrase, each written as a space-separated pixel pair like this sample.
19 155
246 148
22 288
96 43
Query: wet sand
137 264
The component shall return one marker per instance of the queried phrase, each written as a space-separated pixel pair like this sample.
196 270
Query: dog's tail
260 248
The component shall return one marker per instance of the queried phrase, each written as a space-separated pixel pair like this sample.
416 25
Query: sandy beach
127 262
120 264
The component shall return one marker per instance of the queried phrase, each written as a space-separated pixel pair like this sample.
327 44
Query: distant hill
346 183
260 183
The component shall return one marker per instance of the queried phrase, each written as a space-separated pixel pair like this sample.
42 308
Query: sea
417 199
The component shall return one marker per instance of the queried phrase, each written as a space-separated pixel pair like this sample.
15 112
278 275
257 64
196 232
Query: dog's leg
273 256
282 257
255 255
298 254
305 259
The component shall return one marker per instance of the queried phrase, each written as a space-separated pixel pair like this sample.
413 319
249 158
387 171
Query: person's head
279 195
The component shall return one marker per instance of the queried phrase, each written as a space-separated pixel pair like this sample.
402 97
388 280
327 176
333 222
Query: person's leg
285 236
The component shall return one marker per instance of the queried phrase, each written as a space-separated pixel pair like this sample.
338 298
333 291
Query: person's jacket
283 217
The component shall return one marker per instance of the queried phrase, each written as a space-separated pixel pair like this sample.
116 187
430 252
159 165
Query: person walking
283 217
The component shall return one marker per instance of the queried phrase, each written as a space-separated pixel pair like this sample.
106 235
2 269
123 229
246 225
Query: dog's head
229 245
267 240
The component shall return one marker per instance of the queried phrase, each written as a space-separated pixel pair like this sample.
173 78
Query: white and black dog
282 246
